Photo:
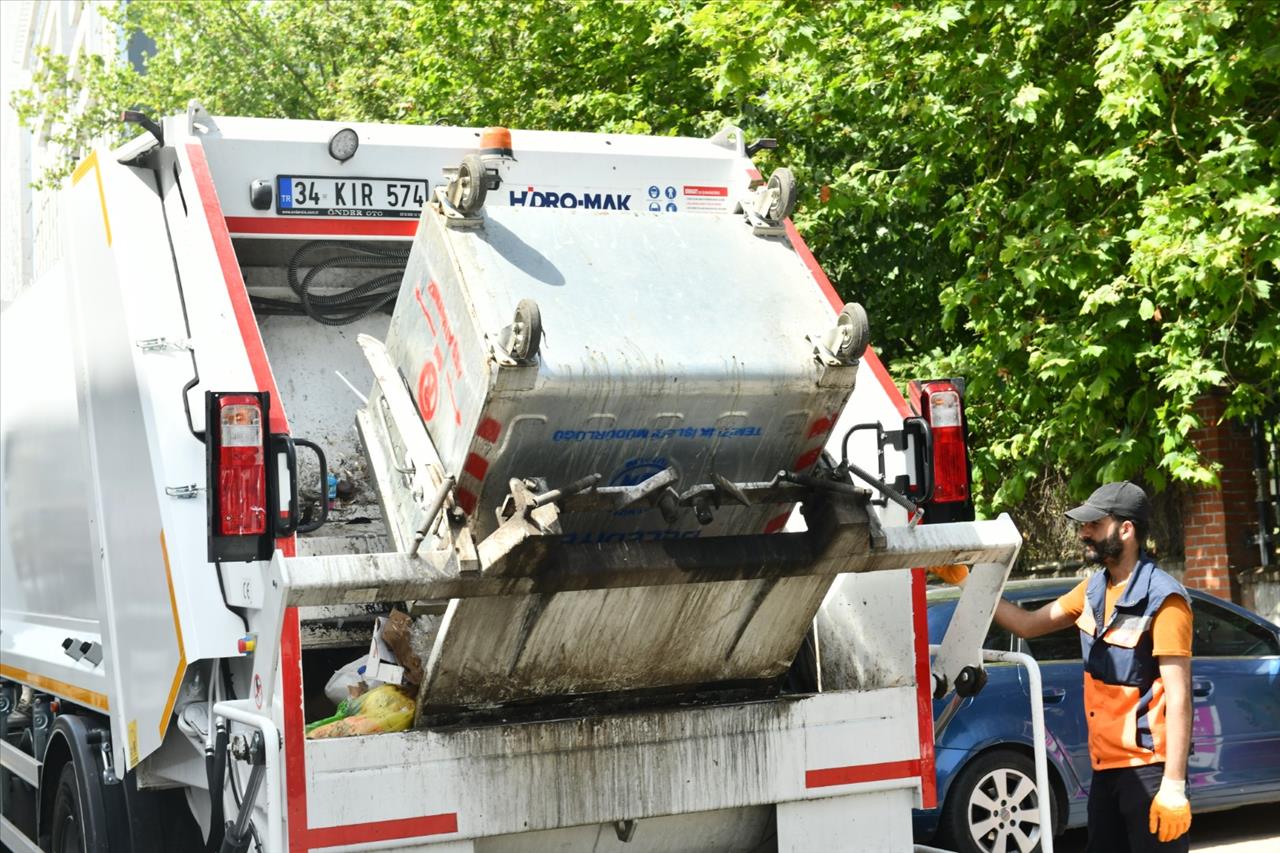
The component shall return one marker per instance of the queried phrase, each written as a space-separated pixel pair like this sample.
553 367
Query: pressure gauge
343 145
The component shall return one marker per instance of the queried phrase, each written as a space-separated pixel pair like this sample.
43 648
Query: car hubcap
1004 812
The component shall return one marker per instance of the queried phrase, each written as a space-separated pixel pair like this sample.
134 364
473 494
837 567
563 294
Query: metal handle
324 486
1202 688
1040 759
923 454
282 443
1054 695
1038 737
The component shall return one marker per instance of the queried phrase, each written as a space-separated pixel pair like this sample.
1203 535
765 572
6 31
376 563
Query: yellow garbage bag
383 709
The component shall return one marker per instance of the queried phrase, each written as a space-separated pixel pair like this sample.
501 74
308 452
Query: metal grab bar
1043 791
242 711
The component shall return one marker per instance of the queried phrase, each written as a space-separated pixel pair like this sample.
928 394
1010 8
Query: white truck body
106 526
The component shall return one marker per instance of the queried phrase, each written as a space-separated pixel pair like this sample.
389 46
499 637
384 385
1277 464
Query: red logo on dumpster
428 391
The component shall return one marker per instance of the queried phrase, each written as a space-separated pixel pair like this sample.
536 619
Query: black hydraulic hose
239 800
239 833
219 771
216 771
338 309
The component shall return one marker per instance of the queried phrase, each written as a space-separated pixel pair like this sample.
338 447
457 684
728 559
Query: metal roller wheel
467 190
855 332
782 184
526 331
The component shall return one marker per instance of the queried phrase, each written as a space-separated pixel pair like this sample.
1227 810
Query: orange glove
1170 815
954 574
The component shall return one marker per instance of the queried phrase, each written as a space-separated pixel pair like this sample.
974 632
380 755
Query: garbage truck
581 408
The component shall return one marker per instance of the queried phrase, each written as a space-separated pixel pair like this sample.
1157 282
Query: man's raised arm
1054 616
1032 623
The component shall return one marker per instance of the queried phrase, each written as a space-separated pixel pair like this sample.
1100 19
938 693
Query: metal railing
1044 793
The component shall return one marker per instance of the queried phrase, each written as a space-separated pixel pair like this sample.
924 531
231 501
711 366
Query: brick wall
1218 520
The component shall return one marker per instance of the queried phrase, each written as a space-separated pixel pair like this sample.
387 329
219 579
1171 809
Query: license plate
315 195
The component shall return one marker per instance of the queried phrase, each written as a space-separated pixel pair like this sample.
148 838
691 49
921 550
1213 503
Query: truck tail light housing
941 404
242 499
242 466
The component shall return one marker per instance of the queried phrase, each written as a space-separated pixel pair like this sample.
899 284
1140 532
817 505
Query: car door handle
1201 688
1053 695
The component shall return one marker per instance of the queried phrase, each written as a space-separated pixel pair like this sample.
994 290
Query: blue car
986 778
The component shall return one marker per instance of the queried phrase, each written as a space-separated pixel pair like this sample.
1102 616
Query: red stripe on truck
230 266
383 830
924 690
295 745
317 225
855 773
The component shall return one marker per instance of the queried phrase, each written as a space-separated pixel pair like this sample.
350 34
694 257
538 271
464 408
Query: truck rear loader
583 406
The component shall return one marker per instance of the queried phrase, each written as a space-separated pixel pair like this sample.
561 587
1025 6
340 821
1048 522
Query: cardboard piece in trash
383 664
395 633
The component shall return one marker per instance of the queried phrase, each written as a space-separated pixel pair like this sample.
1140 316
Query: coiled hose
338 309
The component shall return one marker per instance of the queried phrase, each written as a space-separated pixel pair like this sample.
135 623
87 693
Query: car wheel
993 806
67 821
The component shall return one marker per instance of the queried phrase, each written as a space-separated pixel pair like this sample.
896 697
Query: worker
1135 636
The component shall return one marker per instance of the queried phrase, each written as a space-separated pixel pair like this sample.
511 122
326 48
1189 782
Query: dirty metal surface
537 776
720 831
637 371
433 575
505 649
634 616
309 361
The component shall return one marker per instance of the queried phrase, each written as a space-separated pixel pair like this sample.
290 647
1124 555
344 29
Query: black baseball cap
1122 500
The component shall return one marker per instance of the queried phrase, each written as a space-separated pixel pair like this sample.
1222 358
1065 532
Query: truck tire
67 822
990 808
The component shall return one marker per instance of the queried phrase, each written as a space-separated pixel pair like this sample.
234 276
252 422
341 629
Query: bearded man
1135 635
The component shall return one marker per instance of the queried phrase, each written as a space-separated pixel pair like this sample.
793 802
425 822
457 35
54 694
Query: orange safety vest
1124 697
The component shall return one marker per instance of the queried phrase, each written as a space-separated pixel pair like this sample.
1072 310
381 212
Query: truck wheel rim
1004 812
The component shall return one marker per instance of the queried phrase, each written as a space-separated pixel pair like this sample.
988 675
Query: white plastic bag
349 675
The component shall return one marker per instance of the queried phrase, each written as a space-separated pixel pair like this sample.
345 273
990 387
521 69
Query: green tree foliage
1074 203
548 64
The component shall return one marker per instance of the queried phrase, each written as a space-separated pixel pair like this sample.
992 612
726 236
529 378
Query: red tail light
242 470
945 413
